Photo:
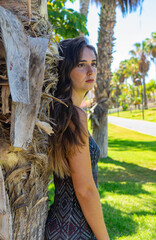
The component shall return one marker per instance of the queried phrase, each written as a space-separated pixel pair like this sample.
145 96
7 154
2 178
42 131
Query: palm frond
129 5
97 2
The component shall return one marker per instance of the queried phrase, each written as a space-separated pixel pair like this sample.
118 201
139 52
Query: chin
90 87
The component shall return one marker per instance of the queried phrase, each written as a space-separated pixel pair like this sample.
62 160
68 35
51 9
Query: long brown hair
65 137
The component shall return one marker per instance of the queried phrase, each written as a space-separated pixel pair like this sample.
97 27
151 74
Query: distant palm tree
141 53
123 71
134 73
105 49
129 68
151 88
150 47
116 88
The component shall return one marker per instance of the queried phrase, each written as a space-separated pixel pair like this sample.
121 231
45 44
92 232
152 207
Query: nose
90 70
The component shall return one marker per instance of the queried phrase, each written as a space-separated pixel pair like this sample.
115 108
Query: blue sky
127 31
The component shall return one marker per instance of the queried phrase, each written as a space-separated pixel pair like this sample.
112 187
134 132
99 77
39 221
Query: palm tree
151 88
84 5
24 176
150 47
124 98
129 68
116 87
131 88
133 72
105 48
141 54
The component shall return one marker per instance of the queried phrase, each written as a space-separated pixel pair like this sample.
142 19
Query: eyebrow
94 60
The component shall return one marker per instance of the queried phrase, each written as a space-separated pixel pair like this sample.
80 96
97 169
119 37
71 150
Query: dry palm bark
23 153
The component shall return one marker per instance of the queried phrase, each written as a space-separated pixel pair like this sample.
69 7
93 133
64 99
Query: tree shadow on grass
123 171
125 145
143 213
118 223
121 188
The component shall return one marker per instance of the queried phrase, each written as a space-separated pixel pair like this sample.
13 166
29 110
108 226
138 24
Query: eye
94 64
80 65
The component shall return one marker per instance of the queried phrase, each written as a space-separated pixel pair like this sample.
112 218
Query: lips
90 80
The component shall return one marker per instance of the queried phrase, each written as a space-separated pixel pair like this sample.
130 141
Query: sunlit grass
149 114
127 185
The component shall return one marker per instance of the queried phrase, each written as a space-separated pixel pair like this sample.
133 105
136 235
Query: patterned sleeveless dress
65 219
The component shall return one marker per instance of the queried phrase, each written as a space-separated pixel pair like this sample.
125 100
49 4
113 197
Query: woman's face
83 76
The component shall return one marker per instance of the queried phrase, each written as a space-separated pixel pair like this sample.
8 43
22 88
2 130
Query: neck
77 98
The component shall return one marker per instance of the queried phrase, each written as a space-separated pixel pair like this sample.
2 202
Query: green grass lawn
127 185
149 114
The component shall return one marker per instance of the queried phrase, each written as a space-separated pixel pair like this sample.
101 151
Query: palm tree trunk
145 97
101 136
102 91
138 97
84 6
27 187
25 172
117 98
155 66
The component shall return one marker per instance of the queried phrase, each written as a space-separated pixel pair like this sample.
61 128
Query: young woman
76 213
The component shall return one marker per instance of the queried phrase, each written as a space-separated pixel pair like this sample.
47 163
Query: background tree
115 89
131 88
150 47
132 71
67 23
105 49
151 89
123 71
141 53
124 98
84 6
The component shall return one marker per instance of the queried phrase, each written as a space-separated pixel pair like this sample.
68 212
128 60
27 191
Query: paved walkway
141 126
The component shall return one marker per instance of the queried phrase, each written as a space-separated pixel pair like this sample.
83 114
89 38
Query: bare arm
84 186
